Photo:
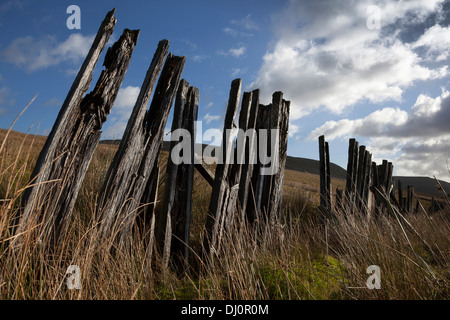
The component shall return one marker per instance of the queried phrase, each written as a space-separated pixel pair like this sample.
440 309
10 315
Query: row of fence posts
368 185
130 190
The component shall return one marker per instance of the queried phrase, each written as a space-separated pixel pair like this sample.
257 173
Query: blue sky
373 70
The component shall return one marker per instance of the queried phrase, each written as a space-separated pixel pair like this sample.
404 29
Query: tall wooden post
66 155
175 216
221 189
138 151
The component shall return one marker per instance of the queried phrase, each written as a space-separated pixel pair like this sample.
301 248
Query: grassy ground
295 258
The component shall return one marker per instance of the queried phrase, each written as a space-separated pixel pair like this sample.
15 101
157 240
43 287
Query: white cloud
416 141
210 118
33 54
293 129
247 23
121 111
238 71
437 40
235 52
334 61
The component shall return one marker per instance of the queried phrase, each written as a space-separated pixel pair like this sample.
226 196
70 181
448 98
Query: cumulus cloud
436 40
33 54
428 118
325 56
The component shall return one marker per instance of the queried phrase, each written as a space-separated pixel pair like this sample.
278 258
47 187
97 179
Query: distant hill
421 184
313 166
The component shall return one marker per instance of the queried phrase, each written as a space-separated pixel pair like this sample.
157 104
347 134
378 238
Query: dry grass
296 258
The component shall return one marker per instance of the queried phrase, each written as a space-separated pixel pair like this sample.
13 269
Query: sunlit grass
295 258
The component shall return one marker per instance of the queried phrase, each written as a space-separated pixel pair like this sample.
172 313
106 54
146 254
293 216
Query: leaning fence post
175 216
138 151
221 188
69 148
273 182
250 155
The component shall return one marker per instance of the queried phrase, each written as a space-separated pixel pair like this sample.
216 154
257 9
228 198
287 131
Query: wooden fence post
251 156
273 183
325 181
253 208
361 177
68 150
400 195
352 174
139 148
409 200
175 216
221 189
367 194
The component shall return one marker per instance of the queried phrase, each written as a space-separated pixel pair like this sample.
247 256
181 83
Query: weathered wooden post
400 195
253 209
251 156
221 189
352 174
325 181
64 160
367 194
409 200
272 188
361 177
175 216
138 151
234 177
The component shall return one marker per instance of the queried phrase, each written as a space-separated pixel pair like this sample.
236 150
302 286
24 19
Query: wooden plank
175 216
183 223
166 218
128 158
390 169
361 176
69 148
367 179
220 191
253 208
278 181
251 150
410 197
325 197
348 184
138 152
328 176
400 195
272 184
352 173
